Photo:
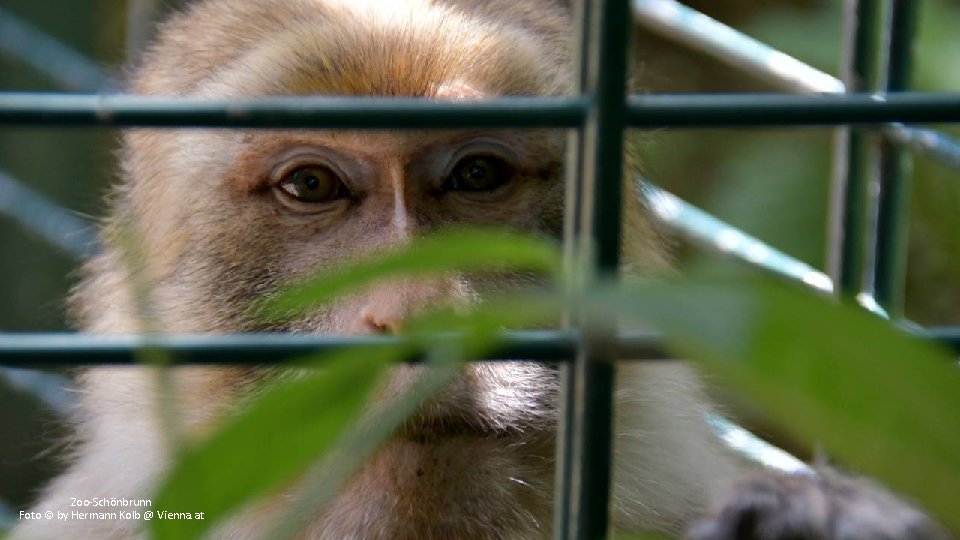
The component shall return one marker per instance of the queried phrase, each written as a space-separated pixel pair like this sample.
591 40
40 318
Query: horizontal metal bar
687 110
709 36
56 349
18 109
782 110
550 346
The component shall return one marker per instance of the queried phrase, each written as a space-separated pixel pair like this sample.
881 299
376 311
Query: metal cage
867 256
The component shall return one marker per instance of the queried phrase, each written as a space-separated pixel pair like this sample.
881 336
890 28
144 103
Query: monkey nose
381 320
388 307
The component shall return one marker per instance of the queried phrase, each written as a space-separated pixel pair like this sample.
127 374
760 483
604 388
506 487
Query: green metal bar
848 247
895 166
18 109
711 37
864 16
904 17
60 349
48 350
564 505
646 111
602 174
786 110
668 17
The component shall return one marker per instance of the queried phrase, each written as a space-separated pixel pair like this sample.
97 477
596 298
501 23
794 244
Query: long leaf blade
268 444
880 400
450 251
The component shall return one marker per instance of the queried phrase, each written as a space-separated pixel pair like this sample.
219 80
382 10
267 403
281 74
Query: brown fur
212 235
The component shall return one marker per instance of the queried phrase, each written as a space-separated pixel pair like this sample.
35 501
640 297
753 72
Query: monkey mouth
497 407
426 428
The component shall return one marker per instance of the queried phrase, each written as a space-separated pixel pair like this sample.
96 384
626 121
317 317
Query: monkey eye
478 173
314 185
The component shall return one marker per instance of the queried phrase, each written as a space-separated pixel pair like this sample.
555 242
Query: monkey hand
825 506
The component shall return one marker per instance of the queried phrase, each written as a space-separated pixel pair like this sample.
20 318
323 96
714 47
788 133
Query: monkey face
267 208
226 217
274 207
260 209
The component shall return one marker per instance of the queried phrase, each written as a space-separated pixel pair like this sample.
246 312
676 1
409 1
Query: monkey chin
448 476
447 485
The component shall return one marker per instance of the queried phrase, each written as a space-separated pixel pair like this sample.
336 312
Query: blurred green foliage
829 373
290 426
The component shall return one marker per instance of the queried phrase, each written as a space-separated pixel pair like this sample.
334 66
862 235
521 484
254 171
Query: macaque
224 217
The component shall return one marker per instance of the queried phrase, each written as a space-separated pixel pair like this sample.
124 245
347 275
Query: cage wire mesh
866 235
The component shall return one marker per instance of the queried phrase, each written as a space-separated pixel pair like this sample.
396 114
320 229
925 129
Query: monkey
224 217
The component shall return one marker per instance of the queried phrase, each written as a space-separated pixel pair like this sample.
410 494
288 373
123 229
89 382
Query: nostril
381 323
386 308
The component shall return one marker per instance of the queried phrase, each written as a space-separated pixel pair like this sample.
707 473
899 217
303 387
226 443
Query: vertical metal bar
895 165
563 507
566 425
847 247
590 436
604 132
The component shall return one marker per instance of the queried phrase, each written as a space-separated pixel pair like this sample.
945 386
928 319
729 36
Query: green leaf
881 401
478 329
354 449
449 338
293 426
449 251
270 442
